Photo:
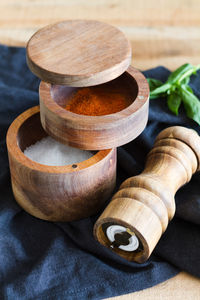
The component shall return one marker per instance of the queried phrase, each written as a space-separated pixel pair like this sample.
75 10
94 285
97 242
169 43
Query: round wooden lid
78 53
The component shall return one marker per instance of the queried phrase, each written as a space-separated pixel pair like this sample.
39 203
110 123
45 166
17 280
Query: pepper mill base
142 223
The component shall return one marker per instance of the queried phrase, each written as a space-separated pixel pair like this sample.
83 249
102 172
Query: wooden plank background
162 32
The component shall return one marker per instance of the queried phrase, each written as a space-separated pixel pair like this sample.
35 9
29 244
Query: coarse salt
49 152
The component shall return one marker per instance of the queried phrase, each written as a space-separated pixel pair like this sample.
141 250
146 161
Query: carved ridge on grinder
145 203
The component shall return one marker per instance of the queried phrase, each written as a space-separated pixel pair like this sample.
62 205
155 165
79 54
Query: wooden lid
78 53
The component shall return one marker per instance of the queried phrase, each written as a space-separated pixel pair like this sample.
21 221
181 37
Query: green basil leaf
180 72
187 74
154 83
185 81
154 96
157 96
187 87
161 89
191 104
177 90
174 102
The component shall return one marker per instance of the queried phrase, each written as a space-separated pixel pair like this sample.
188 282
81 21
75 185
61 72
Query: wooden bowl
56 193
96 132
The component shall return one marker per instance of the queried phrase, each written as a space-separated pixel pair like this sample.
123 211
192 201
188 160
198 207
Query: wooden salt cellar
145 204
67 56
56 193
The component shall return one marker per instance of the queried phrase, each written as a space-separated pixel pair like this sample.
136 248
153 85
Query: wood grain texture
161 33
78 53
145 203
53 193
181 287
96 132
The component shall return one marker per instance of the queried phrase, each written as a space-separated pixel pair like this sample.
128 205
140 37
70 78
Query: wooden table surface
162 32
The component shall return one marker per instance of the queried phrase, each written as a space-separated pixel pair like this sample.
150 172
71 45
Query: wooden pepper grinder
138 214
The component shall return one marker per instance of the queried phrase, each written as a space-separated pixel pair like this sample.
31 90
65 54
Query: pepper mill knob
138 214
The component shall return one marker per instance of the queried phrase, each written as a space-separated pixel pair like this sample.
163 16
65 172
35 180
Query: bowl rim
79 121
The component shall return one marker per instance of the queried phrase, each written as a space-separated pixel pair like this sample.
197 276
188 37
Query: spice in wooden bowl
96 101
53 191
50 152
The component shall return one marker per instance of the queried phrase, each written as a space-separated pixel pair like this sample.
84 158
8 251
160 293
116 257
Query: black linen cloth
44 260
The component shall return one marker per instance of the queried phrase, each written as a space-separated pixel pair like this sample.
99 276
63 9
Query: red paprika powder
97 101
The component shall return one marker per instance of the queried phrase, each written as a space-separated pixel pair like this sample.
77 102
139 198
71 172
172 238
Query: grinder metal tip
121 237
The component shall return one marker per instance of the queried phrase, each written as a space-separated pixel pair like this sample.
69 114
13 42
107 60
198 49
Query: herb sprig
177 91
